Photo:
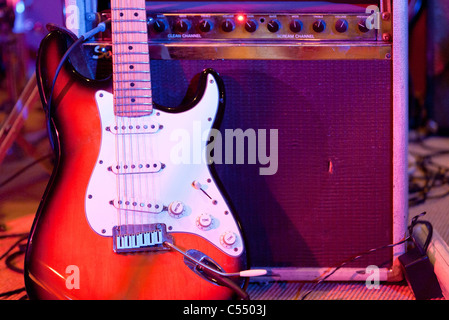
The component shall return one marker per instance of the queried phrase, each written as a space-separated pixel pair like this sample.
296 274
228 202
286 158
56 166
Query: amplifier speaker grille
331 197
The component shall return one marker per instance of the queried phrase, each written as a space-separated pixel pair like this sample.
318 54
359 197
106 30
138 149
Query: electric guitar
120 211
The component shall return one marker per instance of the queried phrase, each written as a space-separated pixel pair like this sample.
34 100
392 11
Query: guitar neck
131 60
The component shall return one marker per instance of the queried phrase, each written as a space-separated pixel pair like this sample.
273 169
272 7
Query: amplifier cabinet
322 115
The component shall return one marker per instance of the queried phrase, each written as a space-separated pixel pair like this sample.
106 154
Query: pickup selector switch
273 25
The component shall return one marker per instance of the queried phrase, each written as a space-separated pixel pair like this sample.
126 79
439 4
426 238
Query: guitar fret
130 53
130 97
135 8
131 20
134 80
130 62
134 31
130 72
131 42
130 48
135 89
131 104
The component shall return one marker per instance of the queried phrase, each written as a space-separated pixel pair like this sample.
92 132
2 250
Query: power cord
344 263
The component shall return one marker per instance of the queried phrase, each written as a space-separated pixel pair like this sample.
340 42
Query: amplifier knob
251 25
273 25
205 26
341 25
228 25
296 25
362 26
159 25
182 26
319 25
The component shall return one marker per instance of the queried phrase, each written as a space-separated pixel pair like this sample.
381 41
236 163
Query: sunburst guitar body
120 191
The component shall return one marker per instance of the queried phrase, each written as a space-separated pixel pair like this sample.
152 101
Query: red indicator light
240 17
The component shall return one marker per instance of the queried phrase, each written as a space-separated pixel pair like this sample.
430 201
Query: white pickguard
141 147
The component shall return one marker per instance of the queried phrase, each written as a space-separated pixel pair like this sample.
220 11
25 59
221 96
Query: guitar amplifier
313 141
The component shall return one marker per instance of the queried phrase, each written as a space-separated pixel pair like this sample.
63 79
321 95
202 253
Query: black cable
24 169
100 28
10 293
413 223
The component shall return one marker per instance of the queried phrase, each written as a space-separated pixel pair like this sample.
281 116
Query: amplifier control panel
168 27
172 27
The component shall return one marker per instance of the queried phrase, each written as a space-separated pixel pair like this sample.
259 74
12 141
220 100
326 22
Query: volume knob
176 208
341 25
228 25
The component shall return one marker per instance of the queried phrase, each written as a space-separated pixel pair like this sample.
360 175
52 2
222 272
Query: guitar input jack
218 276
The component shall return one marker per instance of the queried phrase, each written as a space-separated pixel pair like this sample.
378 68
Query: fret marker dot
130 47
131 67
132 84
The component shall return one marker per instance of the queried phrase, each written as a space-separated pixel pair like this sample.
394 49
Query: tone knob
205 25
159 25
182 26
362 26
228 239
251 25
319 26
228 25
176 208
204 221
273 25
341 25
295 25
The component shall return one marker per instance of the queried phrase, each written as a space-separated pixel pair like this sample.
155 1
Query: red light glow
240 17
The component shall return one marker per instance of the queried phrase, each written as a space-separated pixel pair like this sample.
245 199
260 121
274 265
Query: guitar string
116 85
129 181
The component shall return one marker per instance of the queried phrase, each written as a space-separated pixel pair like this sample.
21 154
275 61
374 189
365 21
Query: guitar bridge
140 237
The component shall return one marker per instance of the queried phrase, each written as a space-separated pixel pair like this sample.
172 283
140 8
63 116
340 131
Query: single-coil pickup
134 127
153 167
141 206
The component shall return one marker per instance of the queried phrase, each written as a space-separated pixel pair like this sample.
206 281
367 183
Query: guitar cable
101 27
222 277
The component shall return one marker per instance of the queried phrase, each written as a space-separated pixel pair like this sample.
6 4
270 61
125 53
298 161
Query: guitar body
73 250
